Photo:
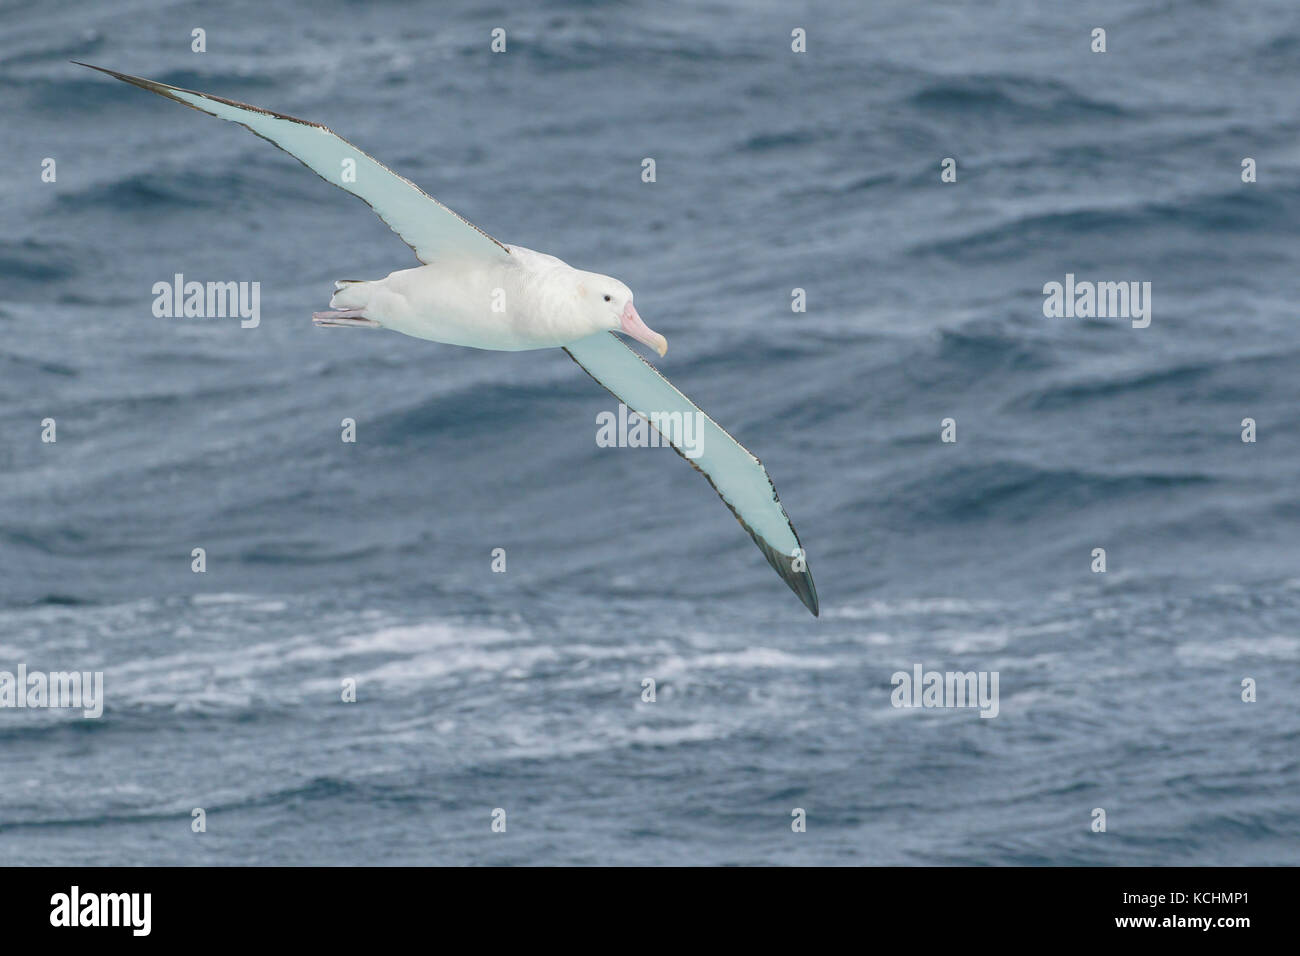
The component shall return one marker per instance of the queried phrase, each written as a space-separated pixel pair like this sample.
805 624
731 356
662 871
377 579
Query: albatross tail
350 300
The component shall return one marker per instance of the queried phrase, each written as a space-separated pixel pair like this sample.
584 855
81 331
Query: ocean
485 697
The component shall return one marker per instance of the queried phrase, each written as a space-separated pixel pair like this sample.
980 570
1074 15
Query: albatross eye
606 298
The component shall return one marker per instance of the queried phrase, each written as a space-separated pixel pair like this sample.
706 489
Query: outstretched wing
426 225
737 476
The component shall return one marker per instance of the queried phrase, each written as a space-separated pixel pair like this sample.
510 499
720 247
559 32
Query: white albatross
548 304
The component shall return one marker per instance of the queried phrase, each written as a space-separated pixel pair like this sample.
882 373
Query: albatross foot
347 319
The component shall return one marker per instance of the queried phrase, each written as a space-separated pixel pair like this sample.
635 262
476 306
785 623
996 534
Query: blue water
479 690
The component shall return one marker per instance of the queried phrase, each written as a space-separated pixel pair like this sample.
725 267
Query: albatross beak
634 327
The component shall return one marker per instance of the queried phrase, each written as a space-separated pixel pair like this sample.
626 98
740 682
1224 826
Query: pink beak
638 330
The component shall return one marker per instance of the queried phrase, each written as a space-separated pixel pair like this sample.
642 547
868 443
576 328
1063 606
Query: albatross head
609 303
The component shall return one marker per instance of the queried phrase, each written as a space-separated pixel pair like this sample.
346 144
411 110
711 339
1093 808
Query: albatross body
475 291
523 300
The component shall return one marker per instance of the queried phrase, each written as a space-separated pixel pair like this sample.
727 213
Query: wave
1019 491
1225 379
35 260
1212 214
1010 97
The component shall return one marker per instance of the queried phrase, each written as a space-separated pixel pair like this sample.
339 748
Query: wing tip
125 77
153 86
169 91
800 582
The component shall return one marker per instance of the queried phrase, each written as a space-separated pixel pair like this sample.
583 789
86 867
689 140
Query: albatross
475 291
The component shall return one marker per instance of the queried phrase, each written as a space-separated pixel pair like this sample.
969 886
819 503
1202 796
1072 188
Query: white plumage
526 300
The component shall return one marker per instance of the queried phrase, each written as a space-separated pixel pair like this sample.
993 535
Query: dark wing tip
164 89
125 77
800 582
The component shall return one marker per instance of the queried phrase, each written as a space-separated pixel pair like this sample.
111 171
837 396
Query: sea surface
521 691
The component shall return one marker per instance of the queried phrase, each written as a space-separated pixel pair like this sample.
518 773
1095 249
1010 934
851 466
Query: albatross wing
737 476
426 225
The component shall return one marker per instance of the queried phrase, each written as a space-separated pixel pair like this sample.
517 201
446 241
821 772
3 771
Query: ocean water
522 690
